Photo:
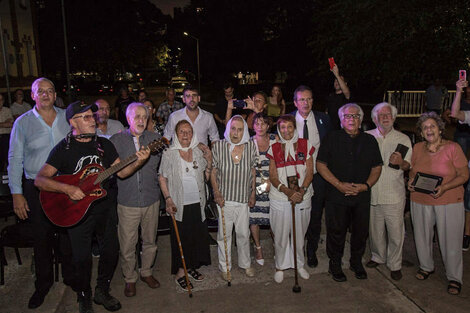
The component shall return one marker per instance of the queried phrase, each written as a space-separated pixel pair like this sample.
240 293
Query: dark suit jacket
322 120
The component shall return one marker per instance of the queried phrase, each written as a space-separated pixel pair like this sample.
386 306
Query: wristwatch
305 189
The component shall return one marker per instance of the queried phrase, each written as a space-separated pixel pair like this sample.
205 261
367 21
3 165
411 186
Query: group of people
304 166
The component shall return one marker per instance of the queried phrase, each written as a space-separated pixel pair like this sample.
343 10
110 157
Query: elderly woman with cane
233 181
183 169
291 174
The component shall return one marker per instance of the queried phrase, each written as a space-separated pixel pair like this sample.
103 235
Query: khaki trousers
128 230
387 234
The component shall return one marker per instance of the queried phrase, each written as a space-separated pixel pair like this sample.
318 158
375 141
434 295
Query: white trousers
449 220
387 234
280 215
235 214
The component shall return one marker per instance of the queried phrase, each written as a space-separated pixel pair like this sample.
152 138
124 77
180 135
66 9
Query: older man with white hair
388 194
349 160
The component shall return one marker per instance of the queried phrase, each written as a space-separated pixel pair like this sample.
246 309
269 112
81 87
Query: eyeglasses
351 116
385 115
304 99
86 118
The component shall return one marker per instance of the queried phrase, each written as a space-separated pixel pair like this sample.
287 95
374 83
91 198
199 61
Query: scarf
246 135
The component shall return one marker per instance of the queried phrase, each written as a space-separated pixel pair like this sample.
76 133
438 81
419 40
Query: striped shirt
234 180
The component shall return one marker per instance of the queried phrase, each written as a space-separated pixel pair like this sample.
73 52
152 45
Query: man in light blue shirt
33 136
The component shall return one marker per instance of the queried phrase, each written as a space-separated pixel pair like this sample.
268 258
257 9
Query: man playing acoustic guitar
80 148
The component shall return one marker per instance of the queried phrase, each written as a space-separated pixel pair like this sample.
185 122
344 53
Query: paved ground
259 294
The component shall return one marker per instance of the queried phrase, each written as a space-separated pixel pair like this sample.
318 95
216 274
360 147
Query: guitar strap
98 147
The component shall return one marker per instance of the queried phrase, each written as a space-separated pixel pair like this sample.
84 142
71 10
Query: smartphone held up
332 62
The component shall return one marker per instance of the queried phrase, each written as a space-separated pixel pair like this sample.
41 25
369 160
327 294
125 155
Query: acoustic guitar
64 212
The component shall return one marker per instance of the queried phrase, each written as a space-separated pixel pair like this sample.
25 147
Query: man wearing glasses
33 136
313 126
350 161
80 148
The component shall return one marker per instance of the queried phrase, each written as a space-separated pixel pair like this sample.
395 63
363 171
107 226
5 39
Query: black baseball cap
78 107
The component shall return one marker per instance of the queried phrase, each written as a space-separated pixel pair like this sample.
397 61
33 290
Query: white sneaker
250 272
279 276
303 273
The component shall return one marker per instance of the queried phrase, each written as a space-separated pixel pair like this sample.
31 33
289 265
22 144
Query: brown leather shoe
150 281
129 290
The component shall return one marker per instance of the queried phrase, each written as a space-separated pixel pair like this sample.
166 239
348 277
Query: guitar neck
114 169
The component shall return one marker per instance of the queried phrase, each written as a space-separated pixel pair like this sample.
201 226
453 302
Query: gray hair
350 105
301 88
433 116
131 107
34 86
380 106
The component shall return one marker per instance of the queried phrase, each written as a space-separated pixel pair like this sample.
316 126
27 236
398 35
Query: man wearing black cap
78 149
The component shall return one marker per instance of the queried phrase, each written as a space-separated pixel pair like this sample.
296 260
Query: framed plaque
426 183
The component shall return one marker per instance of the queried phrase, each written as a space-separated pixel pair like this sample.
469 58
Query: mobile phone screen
463 75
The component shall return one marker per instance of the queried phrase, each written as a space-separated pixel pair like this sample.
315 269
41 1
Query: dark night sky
167 5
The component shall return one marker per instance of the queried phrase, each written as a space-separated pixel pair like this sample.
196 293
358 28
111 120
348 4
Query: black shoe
312 260
212 241
336 272
36 300
372 264
466 243
102 297
396 275
84 302
359 271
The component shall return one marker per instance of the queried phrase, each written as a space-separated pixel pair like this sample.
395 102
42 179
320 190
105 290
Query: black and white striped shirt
234 180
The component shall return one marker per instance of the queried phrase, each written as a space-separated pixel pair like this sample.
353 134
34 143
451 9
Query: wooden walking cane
229 277
182 255
293 184
296 287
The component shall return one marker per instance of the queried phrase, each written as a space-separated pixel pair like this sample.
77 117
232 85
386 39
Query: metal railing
412 103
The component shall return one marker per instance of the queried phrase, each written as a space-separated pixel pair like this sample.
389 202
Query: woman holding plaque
291 174
436 159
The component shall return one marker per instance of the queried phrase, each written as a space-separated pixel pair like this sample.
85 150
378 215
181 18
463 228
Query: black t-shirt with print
80 154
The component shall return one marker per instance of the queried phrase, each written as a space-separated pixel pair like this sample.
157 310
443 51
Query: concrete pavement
259 294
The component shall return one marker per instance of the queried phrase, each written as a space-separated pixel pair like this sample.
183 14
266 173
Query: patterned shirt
390 188
234 180
165 109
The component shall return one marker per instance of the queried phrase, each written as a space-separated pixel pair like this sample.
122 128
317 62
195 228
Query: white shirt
18 109
467 118
390 188
113 127
313 135
203 126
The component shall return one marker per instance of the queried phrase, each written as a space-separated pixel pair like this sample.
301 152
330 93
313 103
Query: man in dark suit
312 125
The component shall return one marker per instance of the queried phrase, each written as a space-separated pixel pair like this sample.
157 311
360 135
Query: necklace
437 147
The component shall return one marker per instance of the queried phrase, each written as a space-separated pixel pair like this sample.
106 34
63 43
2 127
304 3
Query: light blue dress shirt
31 140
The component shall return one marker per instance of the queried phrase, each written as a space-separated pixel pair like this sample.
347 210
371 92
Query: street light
197 54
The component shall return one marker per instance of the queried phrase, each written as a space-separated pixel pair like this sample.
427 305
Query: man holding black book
387 203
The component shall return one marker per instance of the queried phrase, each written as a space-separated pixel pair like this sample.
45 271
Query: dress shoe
150 281
84 302
303 273
250 272
372 264
102 297
396 275
336 272
36 300
359 271
279 276
312 260
129 290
